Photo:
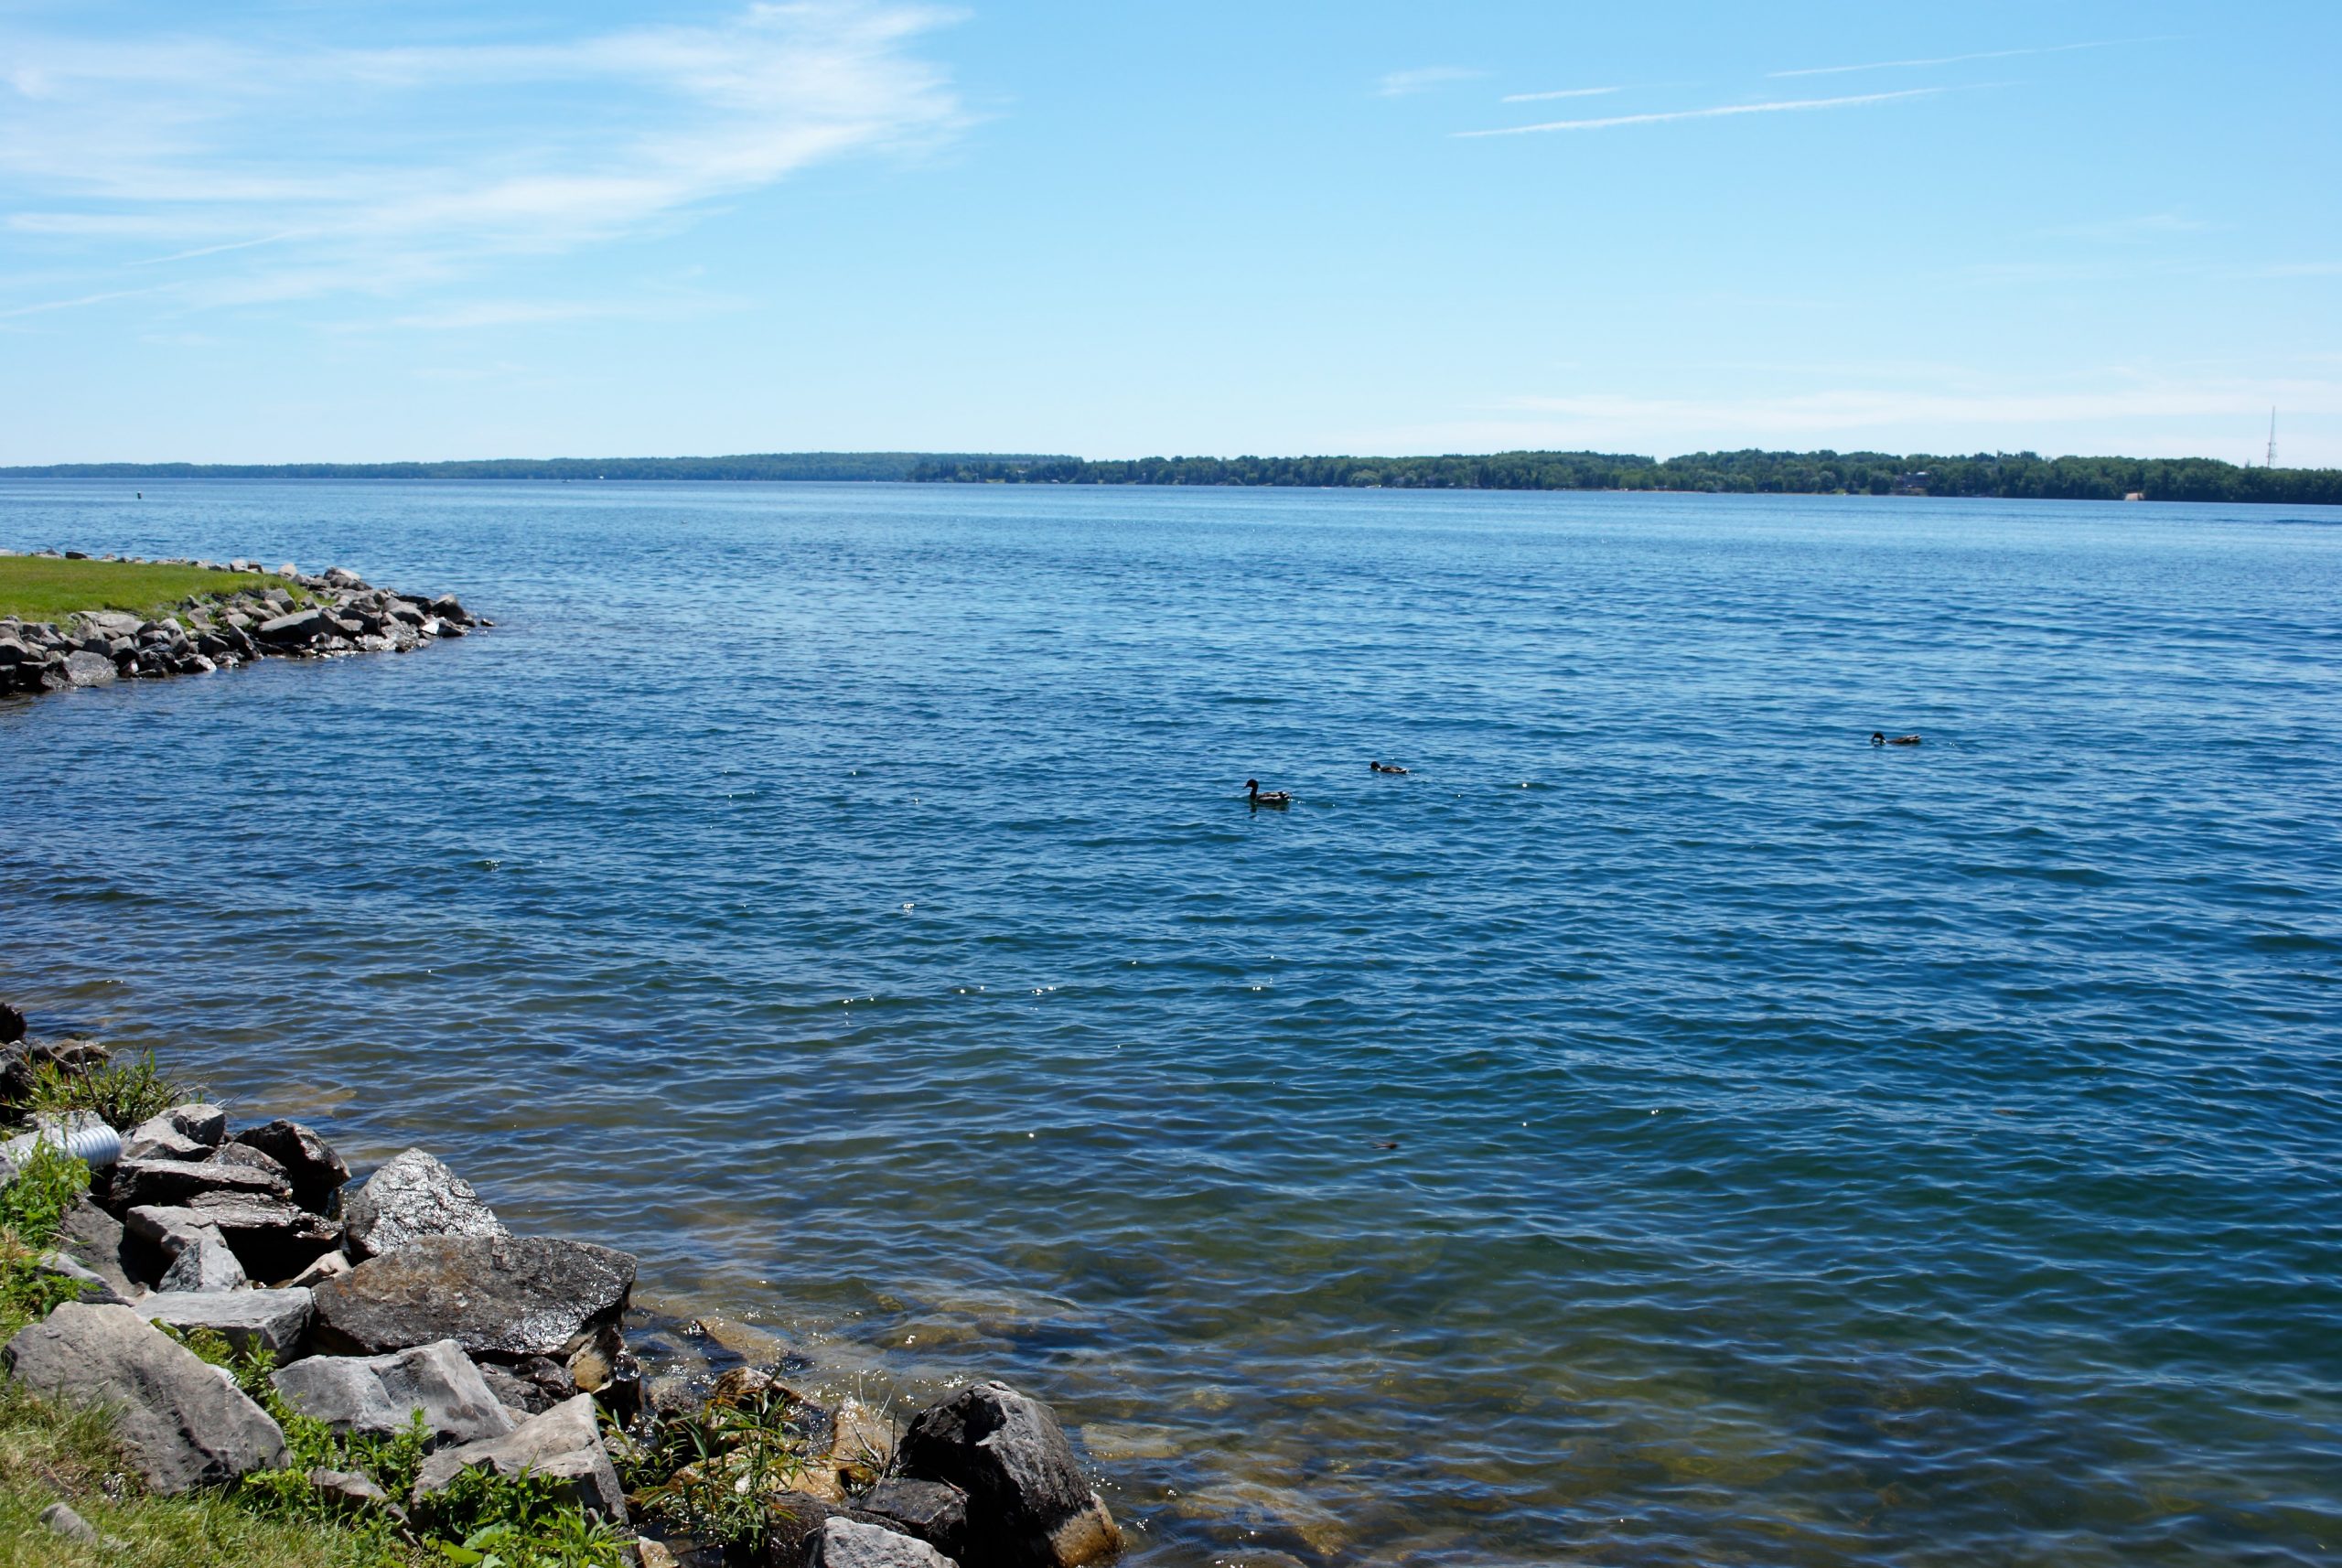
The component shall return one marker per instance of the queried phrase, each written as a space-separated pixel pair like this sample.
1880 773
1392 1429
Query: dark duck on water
1259 797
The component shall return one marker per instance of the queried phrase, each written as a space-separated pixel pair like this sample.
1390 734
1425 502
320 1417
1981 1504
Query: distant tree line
2023 475
2013 474
832 465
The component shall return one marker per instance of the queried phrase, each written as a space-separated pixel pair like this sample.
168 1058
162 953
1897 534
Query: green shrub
30 1210
715 1471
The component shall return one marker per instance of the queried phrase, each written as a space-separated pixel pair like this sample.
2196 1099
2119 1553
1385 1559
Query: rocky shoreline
401 1298
336 613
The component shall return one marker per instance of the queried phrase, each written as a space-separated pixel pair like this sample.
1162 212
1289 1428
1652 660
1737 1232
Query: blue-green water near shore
1658 1129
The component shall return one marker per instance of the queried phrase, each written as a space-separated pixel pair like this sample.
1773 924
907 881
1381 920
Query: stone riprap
342 614
405 1297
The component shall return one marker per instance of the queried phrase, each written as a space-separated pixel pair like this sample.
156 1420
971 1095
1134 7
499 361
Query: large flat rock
164 1183
183 1424
495 1295
374 1396
563 1444
276 1321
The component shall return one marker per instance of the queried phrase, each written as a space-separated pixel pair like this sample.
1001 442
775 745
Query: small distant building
2135 496
1914 484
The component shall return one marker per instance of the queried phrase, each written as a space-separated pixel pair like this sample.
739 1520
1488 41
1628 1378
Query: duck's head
1878 737
1254 785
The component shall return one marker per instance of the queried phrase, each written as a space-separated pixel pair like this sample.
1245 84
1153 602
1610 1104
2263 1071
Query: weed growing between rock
713 1474
122 1092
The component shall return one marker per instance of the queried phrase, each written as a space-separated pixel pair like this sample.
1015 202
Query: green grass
36 587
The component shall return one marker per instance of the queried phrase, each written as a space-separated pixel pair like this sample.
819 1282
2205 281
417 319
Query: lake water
1660 1129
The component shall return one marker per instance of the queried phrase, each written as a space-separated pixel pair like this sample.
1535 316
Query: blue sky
263 232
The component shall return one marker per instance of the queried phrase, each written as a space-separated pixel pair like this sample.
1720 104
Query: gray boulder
94 1238
563 1444
206 1264
354 1494
183 1424
848 1543
198 1121
413 1196
375 1395
935 1511
515 1392
1028 1502
84 669
274 1320
112 623
182 1132
316 1171
496 1296
93 1287
292 630
273 1239
62 1521
162 1184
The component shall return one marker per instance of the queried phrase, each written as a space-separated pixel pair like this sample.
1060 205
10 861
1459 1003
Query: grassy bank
46 588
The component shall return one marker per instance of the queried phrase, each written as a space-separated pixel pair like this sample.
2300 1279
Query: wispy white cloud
1717 112
485 313
1963 59
2148 226
1423 79
1564 92
381 170
42 306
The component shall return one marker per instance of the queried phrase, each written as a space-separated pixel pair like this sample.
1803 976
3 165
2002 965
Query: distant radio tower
2271 461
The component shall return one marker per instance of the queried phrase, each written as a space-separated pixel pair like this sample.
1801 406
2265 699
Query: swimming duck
1386 768
1259 797
1880 737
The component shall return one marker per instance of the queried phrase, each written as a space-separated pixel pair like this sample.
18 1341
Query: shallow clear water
843 898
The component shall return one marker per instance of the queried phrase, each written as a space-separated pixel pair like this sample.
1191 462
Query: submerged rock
183 1424
414 1196
506 1296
